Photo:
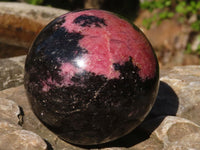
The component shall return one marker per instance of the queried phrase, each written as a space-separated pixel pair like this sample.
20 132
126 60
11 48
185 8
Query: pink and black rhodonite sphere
91 77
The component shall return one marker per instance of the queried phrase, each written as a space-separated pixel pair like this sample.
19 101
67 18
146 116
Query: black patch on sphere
88 21
53 46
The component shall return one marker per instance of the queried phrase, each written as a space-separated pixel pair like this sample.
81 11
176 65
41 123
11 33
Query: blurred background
172 26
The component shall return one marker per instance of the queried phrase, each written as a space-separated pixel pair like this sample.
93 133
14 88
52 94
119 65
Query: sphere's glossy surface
91 77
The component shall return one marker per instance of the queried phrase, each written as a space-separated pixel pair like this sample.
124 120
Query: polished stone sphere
91 77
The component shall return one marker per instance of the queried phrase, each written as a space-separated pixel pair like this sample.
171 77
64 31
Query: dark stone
86 94
86 20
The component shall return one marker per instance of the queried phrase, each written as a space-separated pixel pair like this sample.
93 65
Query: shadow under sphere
167 103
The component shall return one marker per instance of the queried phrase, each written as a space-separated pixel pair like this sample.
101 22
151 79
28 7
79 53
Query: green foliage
189 48
196 25
34 2
166 9
162 5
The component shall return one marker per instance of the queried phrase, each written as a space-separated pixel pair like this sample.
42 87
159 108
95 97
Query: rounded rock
91 77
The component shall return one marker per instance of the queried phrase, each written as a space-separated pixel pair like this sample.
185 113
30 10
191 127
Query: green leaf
188 48
159 5
147 23
34 2
170 14
196 25
163 15
198 5
168 3
193 4
180 8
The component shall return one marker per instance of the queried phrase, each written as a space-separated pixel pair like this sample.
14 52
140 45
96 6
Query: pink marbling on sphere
113 43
